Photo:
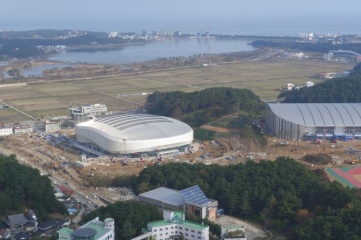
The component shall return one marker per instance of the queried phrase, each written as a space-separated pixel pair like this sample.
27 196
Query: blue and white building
311 121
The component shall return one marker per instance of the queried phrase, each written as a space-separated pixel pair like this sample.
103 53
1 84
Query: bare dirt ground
210 152
215 129
44 155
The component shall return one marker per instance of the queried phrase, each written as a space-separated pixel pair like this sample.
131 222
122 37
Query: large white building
311 121
94 230
133 133
174 226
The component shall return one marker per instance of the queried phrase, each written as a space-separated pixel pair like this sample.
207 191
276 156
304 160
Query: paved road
78 217
91 204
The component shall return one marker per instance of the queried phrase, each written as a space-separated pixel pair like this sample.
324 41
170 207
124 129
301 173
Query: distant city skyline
185 15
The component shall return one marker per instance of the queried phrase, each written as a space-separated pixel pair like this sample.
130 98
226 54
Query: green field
265 78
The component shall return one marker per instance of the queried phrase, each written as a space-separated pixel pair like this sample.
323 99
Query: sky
22 14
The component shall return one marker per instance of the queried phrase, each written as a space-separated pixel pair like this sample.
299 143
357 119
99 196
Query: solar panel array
124 121
194 195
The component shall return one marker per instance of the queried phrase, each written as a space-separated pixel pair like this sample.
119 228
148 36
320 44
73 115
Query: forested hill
214 102
22 48
282 195
338 90
22 187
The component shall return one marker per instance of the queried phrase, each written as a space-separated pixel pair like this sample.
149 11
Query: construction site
263 73
93 176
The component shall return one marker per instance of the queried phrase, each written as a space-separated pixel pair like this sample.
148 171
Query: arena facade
134 133
311 121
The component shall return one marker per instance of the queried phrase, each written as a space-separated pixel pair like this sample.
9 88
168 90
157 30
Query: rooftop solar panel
194 195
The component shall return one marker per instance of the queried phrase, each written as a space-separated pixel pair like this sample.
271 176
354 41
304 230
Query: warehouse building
134 133
311 121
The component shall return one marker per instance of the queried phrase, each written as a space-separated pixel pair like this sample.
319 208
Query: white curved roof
319 114
137 126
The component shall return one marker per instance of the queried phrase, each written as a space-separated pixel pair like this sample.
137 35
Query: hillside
197 108
22 187
282 195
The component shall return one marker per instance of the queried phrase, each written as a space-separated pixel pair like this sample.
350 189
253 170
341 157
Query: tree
127 230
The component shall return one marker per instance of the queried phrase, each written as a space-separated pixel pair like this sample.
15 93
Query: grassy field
264 77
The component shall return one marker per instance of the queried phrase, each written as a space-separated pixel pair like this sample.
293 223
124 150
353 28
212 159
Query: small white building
52 126
94 230
310 84
289 86
87 112
21 129
6 131
174 226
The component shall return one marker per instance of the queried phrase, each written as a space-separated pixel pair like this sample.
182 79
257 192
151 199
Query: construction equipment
195 156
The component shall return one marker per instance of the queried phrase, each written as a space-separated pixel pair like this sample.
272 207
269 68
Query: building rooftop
159 223
65 231
193 225
319 114
18 219
137 126
95 228
98 227
165 195
177 219
194 195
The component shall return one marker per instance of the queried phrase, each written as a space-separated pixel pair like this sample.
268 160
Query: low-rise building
21 129
94 230
86 112
52 126
22 222
6 132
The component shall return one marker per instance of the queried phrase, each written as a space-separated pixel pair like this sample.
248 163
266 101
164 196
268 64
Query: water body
158 49
38 70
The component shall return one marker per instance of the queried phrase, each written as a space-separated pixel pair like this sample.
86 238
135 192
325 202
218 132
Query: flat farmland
10 115
124 92
59 89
